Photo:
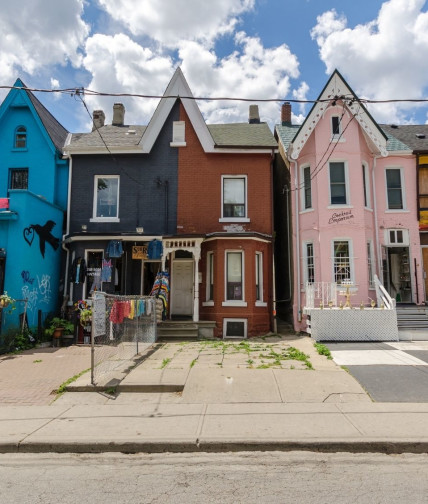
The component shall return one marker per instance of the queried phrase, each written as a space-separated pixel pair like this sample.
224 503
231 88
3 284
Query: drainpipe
378 251
299 304
274 320
67 229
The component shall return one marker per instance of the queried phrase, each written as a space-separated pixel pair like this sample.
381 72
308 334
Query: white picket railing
320 292
382 296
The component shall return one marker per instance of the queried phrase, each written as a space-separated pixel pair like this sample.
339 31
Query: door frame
174 262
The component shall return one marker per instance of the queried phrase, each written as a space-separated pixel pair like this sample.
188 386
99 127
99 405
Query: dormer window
335 126
21 137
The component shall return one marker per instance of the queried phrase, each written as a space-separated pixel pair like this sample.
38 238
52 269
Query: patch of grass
111 391
263 366
165 362
37 361
345 369
193 362
323 350
62 388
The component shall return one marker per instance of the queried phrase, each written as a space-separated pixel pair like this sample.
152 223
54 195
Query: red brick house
220 260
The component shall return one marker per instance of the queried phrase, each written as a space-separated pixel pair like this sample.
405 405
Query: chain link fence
121 328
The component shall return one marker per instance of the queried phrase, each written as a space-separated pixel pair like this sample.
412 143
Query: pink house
353 200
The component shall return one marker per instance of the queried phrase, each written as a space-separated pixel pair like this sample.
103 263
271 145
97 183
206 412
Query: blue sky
244 48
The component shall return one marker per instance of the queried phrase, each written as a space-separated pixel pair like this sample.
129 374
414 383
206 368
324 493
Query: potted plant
84 312
6 300
57 326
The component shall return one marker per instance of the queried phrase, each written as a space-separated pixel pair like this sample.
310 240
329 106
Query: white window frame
259 277
226 320
366 185
235 219
178 134
335 136
209 301
233 302
305 261
403 190
370 265
347 191
303 189
395 242
350 257
94 211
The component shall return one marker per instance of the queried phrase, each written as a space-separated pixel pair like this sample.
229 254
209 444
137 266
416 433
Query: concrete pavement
269 394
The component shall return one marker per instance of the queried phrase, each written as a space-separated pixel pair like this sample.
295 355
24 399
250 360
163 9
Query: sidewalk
269 394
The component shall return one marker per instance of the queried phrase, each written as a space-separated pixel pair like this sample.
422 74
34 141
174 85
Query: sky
265 49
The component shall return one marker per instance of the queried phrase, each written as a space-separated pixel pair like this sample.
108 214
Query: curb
219 446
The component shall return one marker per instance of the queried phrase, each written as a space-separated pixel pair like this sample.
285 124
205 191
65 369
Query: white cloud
36 33
118 64
170 21
383 59
301 94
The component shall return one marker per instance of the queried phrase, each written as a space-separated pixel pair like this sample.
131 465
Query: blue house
33 199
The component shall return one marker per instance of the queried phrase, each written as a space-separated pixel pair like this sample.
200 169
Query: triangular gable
54 133
338 88
177 87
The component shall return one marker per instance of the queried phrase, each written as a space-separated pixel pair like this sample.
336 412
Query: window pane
335 125
337 184
259 266
338 194
21 138
234 197
342 263
310 271
308 189
234 276
337 172
107 193
19 179
364 185
393 182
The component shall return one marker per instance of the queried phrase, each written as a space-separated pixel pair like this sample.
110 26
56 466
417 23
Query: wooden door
182 288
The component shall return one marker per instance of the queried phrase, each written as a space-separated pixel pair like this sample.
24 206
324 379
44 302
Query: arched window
21 137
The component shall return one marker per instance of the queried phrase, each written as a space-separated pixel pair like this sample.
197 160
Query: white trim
259 263
255 238
347 191
209 277
208 303
260 303
370 257
366 184
226 320
305 244
95 218
235 219
302 187
234 302
403 189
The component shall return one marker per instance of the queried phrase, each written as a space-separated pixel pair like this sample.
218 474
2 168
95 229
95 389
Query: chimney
118 114
98 118
286 114
253 117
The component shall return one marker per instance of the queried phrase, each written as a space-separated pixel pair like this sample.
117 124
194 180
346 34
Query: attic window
178 134
21 137
420 135
335 127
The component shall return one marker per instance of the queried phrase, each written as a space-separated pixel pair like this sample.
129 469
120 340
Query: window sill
20 149
208 303
177 144
242 304
334 207
234 219
260 303
402 210
104 219
307 210
368 209
338 138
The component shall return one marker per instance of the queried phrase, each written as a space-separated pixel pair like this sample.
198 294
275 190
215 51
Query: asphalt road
271 477
389 372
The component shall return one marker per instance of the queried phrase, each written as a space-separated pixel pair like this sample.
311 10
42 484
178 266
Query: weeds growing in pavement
165 363
323 350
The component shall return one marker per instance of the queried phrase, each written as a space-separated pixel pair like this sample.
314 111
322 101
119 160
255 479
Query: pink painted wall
317 224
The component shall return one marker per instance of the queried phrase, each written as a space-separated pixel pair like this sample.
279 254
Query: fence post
92 340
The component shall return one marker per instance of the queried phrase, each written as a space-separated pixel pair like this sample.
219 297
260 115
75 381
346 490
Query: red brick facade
199 212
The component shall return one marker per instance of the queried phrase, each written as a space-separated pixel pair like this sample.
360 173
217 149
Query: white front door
182 288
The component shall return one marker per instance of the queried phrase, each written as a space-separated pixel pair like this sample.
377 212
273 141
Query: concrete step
182 330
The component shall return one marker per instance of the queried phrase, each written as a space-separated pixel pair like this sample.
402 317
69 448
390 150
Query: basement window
234 328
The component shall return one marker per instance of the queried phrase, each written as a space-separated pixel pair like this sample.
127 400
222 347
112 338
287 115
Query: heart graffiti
29 235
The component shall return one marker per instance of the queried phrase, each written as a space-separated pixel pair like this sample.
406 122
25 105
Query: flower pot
58 332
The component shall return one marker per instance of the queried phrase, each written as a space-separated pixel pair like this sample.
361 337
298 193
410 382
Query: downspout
378 251
274 321
299 304
67 229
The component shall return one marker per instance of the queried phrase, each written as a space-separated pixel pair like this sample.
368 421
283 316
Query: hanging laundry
78 270
114 248
160 290
106 269
154 249
119 311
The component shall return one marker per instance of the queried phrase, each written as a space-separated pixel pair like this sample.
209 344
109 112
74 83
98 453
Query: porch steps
412 317
171 329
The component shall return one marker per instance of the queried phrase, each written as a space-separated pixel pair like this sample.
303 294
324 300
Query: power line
91 92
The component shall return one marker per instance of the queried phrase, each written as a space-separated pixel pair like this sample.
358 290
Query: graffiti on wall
35 294
44 234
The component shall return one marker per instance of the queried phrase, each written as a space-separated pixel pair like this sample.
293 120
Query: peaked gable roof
55 131
338 89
